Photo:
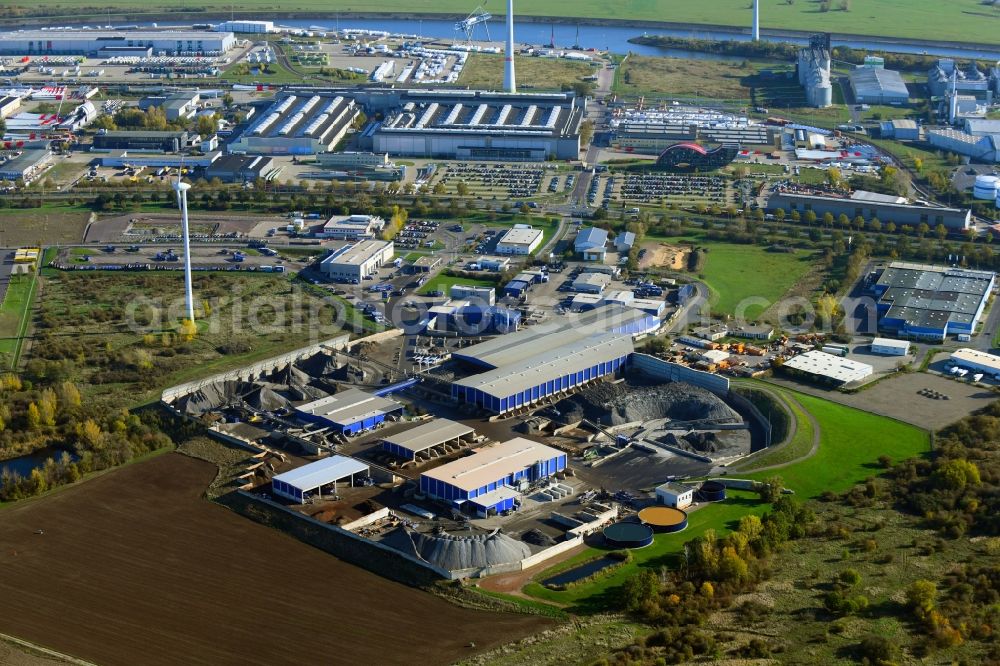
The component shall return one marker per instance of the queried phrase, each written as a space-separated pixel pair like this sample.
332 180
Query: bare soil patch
135 567
664 255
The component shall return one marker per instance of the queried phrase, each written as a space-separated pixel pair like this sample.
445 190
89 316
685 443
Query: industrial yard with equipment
476 338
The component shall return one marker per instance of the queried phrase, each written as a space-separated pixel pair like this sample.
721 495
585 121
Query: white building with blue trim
491 479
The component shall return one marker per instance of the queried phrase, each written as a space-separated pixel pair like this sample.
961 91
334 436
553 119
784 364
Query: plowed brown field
134 567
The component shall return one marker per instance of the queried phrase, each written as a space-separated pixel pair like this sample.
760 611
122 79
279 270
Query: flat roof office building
520 240
870 205
356 261
90 42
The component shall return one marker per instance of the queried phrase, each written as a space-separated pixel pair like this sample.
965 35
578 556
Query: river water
610 38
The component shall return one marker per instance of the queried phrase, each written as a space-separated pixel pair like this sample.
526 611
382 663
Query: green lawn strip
14 316
799 445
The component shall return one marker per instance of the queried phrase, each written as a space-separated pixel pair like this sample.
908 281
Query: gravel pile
615 404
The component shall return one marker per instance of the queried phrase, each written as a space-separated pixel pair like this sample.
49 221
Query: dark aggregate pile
615 404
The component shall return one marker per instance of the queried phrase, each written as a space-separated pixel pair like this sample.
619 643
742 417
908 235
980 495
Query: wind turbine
181 188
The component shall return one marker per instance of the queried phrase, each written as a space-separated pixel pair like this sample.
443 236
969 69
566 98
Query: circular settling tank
712 491
628 535
664 518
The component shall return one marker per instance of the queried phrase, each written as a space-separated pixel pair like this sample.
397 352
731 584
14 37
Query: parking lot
493 180
659 188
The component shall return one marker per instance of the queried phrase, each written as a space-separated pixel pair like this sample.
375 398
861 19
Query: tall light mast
509 84
182 202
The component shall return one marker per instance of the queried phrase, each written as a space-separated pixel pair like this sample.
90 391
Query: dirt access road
134 567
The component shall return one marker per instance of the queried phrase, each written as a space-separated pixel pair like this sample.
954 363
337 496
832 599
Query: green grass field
679 77
14 317
442 282
737 274
850 443
958 20
486 71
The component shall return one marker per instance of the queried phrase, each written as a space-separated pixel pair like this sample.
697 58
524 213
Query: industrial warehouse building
167 141
349 412
520 240
870 205
177 106
890 347
91 42
931 302
241 168
471 292
534 363
977 361
427 436
827 367
490 479
477 125
984 148
591 283
298 484
547 370
874 85
304 123
356 261
591 244
900 129
26 166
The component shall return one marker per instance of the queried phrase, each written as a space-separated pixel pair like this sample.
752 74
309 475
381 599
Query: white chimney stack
509 84
756 20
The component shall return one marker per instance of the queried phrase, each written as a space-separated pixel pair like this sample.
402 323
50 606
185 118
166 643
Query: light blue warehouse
298 484
491 478
349 412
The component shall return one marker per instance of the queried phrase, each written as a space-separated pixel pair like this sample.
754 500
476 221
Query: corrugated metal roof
428 435
322 472
560 360
493 463
591 237
349 406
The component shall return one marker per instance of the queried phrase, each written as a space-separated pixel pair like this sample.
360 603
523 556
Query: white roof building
298 483
890 347
974 359
522 239
827 366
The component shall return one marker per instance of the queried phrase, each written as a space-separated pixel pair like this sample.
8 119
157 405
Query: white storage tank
998 199
986 187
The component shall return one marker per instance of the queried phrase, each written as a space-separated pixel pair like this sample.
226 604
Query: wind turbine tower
509 83
182 202
756 21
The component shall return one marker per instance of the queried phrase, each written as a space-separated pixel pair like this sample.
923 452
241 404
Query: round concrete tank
664 518
712 491
628 535
986 187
